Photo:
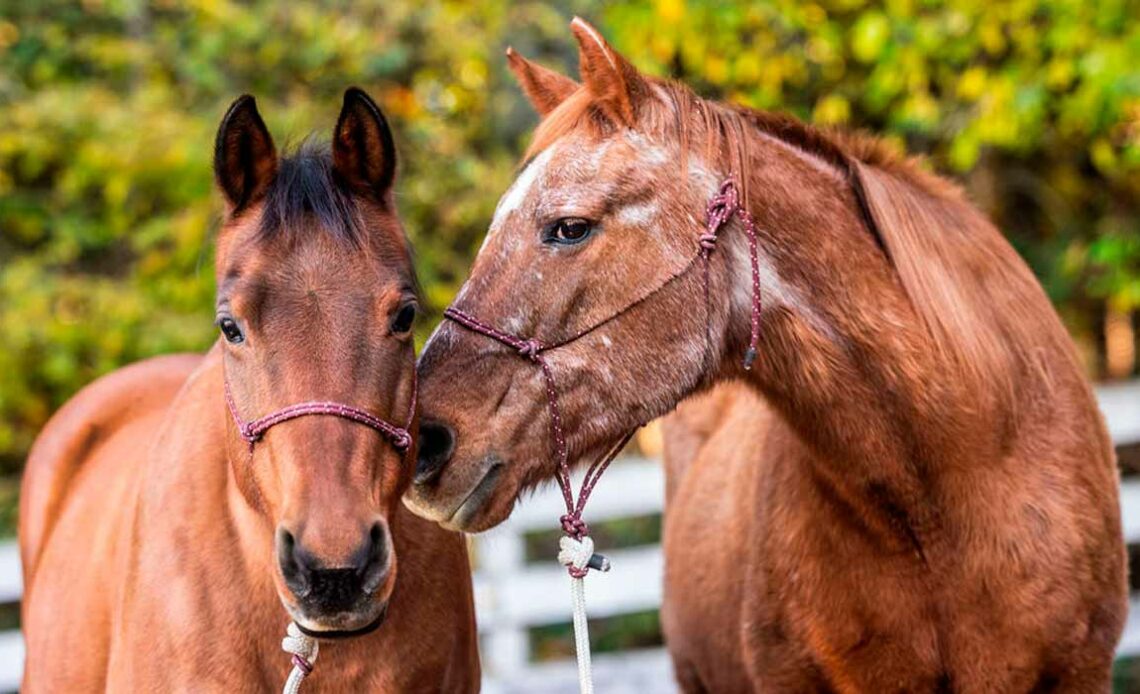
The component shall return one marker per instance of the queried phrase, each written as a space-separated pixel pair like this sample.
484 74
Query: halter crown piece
576 548
304 648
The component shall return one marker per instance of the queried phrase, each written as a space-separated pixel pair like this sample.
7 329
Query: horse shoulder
76 432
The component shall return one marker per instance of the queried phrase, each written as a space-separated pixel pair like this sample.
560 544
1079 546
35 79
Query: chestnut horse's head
315 303
607 210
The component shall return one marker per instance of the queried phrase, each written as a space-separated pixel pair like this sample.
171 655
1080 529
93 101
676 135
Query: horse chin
484 505
341 628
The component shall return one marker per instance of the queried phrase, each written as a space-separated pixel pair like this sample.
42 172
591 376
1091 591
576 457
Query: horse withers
178 513
916 491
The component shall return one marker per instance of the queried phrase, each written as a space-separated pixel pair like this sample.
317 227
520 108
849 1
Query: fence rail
513 596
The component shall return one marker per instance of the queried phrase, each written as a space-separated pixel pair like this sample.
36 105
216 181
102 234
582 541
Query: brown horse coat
162 552
154 591
915 492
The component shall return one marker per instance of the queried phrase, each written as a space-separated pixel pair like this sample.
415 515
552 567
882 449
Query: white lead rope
304 650
576 555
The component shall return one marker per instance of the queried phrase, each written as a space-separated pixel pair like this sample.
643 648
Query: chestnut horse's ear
614 83
245 160
545 89
364 154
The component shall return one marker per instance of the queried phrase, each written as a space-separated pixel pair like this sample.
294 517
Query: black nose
338 589
437 443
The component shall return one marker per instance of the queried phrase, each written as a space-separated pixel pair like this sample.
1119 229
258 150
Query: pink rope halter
252 431
721 208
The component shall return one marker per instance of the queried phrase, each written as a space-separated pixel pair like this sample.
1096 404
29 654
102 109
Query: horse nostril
374 569
437 443
293 570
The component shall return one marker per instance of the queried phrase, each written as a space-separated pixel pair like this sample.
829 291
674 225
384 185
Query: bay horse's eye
402 323
231 331
568 230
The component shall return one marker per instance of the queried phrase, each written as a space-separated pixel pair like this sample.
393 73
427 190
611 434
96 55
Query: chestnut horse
168 538
920 494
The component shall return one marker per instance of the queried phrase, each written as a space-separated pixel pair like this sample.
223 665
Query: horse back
78 430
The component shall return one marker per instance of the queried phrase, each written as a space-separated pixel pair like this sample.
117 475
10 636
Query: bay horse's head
315 304
606 210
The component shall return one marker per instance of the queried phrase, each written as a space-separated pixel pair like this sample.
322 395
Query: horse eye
231 331
569 230
402 323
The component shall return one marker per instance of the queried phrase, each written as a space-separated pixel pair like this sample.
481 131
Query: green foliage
108 108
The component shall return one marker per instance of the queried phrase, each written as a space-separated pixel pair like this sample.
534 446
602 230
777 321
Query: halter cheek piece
721 208
252 431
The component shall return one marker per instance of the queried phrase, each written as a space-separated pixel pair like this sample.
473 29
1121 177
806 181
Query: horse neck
844 355
189 486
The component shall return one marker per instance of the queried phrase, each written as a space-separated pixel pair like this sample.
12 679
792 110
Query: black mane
305 191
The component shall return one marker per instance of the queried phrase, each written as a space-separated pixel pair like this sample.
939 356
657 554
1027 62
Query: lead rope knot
575 554
304 650
530 349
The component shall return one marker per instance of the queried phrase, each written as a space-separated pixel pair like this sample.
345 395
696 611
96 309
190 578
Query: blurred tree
108 108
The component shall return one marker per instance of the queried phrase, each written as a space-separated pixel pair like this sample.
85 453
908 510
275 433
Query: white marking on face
648 151
607 341
639 215
513 199
597 154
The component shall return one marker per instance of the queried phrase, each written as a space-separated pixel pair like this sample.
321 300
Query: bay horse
920 495
171 526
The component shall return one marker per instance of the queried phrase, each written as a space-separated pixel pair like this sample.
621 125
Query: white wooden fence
513 596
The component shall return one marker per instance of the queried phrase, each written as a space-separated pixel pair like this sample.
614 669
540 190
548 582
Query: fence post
505 646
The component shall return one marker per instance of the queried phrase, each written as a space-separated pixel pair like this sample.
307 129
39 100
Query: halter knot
574 526
249 433
401 440
723 205
530 349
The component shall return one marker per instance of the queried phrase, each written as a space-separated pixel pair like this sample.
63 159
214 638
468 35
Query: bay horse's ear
364 154
545 89
245 160
614 83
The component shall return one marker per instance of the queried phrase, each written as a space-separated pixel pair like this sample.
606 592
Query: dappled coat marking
911 490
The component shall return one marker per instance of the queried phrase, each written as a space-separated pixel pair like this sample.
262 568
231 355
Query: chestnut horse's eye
568 230
231 331
402 323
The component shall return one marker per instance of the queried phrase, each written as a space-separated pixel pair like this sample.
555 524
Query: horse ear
613 82
364 154
545 89
245 160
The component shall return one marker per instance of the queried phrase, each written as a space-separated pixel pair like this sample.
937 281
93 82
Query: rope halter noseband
304 648
253 431
577 549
